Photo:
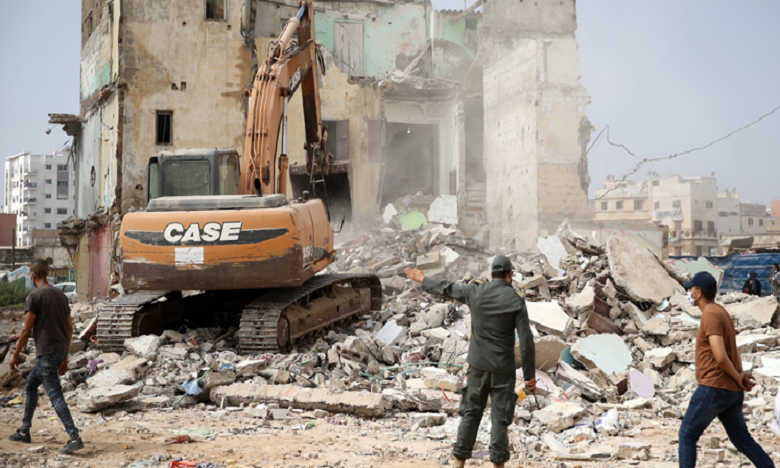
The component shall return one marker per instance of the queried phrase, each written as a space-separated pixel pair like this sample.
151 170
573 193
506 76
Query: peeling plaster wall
165 44
536 130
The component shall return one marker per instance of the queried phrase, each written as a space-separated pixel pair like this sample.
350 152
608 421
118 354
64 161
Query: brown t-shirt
716 321
51 309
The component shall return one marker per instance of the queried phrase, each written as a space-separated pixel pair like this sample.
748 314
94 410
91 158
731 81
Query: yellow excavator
220 228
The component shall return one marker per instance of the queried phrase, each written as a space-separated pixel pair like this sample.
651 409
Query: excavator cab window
186 178
152 180
229 172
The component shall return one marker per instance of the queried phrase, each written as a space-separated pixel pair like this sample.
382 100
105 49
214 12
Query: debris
639 272
98 398
763 310
550 318
641 384
559 416
606 352
444 210
659 358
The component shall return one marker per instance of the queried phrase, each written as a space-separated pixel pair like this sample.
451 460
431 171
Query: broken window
215 10
164 122
698 226
677 204
619 205
604 206
638 205
349 48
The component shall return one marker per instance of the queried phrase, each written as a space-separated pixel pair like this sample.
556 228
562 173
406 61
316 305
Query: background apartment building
39 190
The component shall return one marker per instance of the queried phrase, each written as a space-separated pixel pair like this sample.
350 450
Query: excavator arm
286 68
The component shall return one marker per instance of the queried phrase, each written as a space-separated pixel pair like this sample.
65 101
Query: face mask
690 299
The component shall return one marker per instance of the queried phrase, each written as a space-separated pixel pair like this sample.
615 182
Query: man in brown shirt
47 319
721 381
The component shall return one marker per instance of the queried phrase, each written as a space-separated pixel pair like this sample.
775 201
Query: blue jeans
45 372
708 403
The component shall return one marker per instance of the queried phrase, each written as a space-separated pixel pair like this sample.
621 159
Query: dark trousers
45 372
501 389
707 404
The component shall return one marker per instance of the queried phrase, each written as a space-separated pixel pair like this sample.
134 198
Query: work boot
72 446
19 437
458 463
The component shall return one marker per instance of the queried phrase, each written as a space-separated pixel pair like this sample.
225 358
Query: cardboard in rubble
639 272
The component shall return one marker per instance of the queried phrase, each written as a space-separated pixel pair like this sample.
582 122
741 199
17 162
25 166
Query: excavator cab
205 171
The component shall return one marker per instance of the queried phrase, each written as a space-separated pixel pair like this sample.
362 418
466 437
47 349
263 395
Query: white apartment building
40 189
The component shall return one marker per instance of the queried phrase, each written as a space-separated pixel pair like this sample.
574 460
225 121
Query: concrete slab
603 324
639 272
763 310
391 333
389 213
641 384
548 353
659 358
552 248
559 416
588 387
608 352
444 209
550 318
582 302
692 267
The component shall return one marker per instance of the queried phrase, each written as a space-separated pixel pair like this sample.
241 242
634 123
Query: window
604 206
711 227
723 214
48 167
62 211
677 204
164 122
47 225
48 181
48 196
709 204
62 183
760 222
699 250
750 221
59 225
678 251
678 226
62 167
349 48
215 10
228 175
619 205
638 205
657 205
47 210
698 226
186 178
656 183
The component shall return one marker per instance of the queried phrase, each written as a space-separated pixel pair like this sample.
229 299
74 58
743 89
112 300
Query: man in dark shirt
48 320
721 379
496 312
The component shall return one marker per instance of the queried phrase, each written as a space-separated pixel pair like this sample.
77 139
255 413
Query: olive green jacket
496 312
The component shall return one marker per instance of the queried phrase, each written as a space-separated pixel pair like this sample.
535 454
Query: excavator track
265 328
115 322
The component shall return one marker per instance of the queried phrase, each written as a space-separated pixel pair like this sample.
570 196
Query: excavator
219 239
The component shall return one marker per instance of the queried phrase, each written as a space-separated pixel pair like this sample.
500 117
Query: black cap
702 279
501 264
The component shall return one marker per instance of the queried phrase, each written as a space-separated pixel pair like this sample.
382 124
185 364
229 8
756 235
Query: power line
642 161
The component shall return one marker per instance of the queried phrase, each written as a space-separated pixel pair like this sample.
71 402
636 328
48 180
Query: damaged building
403 94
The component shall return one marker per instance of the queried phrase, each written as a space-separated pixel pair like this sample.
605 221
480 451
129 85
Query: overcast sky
665 75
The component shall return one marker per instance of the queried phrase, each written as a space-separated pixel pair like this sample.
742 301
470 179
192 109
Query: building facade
40 190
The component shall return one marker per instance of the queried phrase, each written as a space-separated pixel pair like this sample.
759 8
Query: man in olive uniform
496 312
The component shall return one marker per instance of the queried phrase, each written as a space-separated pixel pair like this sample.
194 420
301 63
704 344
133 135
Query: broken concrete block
275 376
559 416
602 324
111 377
641 384
427 419
588 387
108 359
436 335
748 343
174 352
635 313
548 353
145 346
386 262
716 455
581 303
394 285
430 263
550 318
251 367
639 272
444 210
98 398
633 450
389 213
433 377
656 326
391 333
659 358
215 378
434 316
608 352
763 310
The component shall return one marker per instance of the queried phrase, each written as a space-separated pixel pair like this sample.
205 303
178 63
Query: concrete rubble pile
615 340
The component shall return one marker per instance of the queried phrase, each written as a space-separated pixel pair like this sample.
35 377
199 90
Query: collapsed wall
536 131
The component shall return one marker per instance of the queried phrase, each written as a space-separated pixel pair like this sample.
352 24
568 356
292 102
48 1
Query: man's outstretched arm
461 293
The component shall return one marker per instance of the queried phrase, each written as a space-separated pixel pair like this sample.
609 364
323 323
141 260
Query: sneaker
19 437
72 446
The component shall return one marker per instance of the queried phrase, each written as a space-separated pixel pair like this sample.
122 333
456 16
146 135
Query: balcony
30 201
29 216
29 172
30 186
